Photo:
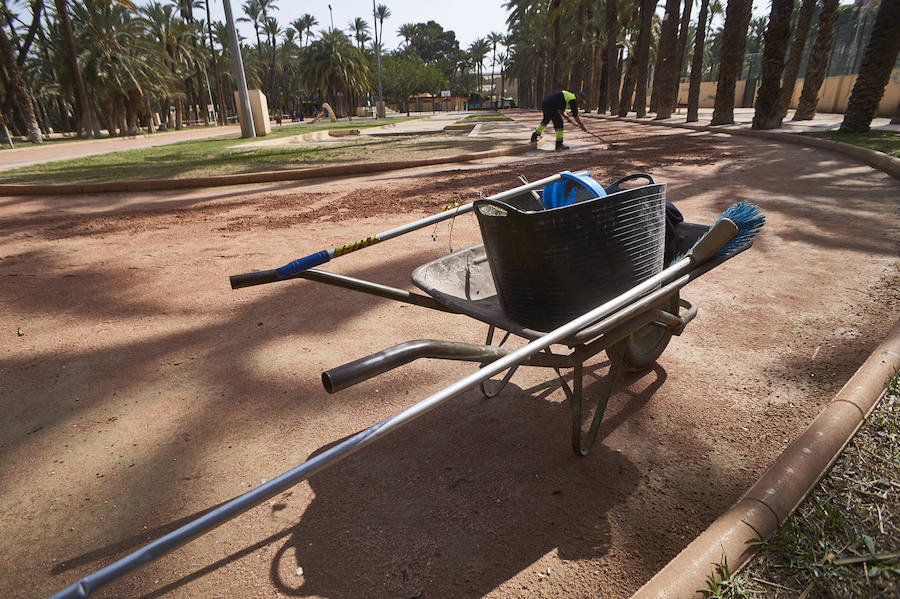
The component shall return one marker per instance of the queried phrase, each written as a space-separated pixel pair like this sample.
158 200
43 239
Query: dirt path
138 389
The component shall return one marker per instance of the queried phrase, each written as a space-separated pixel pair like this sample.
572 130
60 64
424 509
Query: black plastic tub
553 265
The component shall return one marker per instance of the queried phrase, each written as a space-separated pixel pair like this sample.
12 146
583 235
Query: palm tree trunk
666 69
132 111
592 90
776 40
875 70
682 49
88 117
218 103
179 114
734 38
642 58
121 115
795 56
627 86
106 116
149 114
818 62
611 83
40 116
693 108
552 80
583 65
19 91
603 101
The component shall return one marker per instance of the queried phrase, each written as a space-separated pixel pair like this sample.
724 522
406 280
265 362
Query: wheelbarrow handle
259 277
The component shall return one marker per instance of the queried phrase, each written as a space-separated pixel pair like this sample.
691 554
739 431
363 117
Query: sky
469 19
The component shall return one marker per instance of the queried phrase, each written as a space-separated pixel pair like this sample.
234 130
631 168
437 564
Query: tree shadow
453 504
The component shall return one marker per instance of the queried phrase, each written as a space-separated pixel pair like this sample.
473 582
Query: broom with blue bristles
730 234
747 218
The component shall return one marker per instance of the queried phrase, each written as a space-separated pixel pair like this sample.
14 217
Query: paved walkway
743 117
24 155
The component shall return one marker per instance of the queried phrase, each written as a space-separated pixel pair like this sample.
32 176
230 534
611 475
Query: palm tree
382 12
777 32
494 38
120 63
610 84
478 51
503 61
642 58
173 37
407 31
682 48
304 25
626 98
254 11
379 14
334 65
272 30
360 31
665 59
697 64
875 70
734 37
88 123
19 90
792 66
818 62
220 97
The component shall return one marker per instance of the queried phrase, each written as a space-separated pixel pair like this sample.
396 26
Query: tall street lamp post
245 116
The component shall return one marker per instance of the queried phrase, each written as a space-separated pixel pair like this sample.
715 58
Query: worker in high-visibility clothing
554 107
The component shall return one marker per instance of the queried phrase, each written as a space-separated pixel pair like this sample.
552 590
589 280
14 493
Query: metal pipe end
328 383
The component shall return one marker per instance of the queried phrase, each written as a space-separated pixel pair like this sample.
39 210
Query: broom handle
291 269
715 239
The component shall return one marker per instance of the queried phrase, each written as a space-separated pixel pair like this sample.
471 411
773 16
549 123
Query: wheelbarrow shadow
460 501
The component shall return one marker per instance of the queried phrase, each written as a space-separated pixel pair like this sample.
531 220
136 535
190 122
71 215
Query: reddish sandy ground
137 389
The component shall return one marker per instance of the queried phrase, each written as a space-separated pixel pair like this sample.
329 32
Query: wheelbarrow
633 327
462 283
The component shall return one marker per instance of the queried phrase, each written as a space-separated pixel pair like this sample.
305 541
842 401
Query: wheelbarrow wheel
643 347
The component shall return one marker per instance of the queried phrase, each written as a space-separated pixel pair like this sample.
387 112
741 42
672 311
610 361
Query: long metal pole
245 116
715 239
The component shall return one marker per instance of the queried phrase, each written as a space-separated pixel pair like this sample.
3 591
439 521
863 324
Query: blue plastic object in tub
571 188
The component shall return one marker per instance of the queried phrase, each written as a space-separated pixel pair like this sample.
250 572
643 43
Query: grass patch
844 541
484 117
204 157
883 141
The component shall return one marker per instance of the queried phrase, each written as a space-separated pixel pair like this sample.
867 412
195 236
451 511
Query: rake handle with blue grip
289 270
294 268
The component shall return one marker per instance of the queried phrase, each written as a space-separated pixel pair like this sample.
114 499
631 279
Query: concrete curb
784 486
879 160
248 178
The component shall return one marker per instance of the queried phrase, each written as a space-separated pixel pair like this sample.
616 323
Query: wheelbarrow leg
583 441
498 386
